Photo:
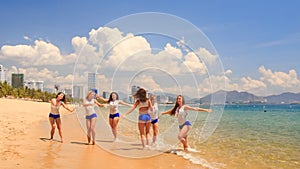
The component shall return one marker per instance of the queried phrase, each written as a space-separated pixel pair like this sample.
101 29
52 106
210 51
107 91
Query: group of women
148 115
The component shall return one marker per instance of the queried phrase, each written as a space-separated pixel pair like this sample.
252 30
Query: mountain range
235 97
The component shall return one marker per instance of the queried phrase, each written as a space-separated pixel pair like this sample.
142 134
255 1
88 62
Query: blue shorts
187 123
55 116
91 116
144 117
154 121
112 116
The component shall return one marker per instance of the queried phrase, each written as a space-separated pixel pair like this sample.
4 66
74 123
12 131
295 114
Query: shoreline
25 142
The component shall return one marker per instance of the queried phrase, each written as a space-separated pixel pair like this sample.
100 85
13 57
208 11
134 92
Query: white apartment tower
2 73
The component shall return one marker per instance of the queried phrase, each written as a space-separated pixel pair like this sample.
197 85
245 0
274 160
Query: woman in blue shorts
91 115
54 116
114 113
180 111
144 122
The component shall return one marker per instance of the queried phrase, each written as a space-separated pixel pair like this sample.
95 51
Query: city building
134 89
17 80
68 92
78 92
37 85
2 73
105 95
91 81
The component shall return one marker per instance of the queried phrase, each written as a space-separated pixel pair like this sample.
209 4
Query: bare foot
186 148
93 143
89 139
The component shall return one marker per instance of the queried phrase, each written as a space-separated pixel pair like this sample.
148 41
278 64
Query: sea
244 136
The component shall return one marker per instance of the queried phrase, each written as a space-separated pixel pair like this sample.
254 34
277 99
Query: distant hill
235 97
284 98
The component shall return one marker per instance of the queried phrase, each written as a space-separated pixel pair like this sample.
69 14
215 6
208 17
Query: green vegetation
7 90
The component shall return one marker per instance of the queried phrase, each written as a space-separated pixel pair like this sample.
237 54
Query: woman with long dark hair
114 113
144 122
180 111
54 115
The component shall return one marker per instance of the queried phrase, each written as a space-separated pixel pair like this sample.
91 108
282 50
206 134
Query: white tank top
89 110
55 109
114 106
181 115
154 113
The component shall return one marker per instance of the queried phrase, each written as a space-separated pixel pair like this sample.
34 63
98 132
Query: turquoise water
247 136
255 136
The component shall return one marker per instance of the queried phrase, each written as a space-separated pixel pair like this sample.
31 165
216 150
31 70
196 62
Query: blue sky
246 34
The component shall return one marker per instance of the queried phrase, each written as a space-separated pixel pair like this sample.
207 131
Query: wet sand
24 143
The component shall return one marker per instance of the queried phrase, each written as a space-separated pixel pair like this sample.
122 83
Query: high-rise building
68 92
2 73
37 85
134 89
78 92
17 80
91 81
105 95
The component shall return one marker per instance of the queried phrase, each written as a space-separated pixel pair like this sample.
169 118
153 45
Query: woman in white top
180 111
114 113
54 116
91 116
154 117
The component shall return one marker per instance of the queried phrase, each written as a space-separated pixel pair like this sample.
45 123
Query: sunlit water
248 136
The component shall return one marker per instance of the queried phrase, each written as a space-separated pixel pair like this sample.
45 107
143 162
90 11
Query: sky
255 42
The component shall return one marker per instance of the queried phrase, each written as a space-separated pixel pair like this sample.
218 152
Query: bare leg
52 123
59 127
155 132
88 128
148 126
93 123
182 136
113 124
142 133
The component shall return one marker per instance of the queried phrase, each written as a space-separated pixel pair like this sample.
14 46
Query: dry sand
24 143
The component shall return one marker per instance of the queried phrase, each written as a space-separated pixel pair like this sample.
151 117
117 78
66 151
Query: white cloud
193 63
215 83
49 77
41 53
228 72
27 38
287 81
206 56
249 84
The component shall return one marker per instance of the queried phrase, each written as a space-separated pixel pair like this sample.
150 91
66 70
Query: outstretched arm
101 98
166 112
67 107
99 104
199 109
124 103
130 110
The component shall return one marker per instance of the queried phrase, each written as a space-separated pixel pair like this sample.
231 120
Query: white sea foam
192 157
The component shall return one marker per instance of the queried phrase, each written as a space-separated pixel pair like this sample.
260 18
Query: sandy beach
24 143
